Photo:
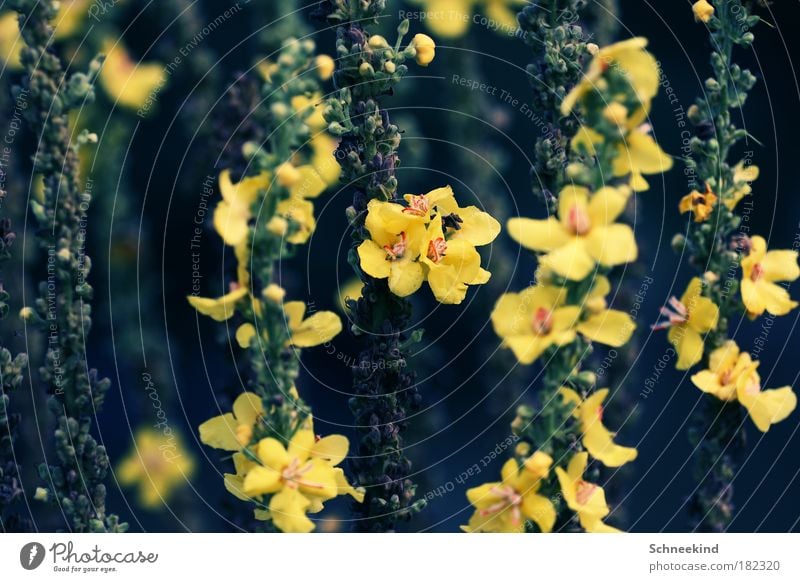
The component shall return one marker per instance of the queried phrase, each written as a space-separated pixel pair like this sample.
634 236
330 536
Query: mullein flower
233 213
503 506
687 320
537 318
158 465
583 235
425 49
596 438
298 477
761 271
315 330
586 499
451 264
743 176
128 83
628 60
701 204
732 375
431 238
233 430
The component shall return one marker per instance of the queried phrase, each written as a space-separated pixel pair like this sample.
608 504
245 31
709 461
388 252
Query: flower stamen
398 249
542 321
676 314
578 220
417 205
437 249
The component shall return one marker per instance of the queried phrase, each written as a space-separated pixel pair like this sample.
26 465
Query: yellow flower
687 319
325 66
128 83
628 57
314 330
393 249
610 327
761 270
233 213
637 153
451 264
221 308
699 203
766 407
584 233
11 42
703 11
597 439
298 477
425 49
743 176
586 499
158 465
66 23
732 375
503 506
233 430
404 251
447 18
533 320
322 144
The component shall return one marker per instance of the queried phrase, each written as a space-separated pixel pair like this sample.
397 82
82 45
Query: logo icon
31 555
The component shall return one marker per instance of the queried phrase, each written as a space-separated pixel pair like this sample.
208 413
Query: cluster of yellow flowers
568 301
695 317
452 18
298 476
429 238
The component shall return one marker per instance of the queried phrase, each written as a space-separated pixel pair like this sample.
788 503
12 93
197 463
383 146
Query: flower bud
703 11
278 226
425 49
376 41
274 293
325 67
287 175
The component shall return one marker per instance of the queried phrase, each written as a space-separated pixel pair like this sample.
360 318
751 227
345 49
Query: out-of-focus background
150 175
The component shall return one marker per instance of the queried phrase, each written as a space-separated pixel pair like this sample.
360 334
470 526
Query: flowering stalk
559 46
560 317
368 68
62 309
280 466
11 370
718 243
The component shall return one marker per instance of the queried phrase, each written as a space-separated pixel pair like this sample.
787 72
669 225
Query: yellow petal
478 228
641 154
218 309
708 382
527 348
261 481
571 261
688 344
321 327
234 485
768 407
538 235
288 510
245 334
319 481
373 261
780 266
231 223
294 312
610 327
344 487
273 454
540 510
600 443
247 408
301 445
612 245
332 449
405 277
607 204
447 18
220 432
703 314
310 184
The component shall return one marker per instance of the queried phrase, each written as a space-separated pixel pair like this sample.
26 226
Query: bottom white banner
389 558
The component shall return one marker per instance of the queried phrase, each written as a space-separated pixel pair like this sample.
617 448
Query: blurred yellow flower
298 477
233 430
701 204
732 375
314 330
503 506
743 176
597 439
10 41
67 22
452 18
633 63
583 235
157 466
703 11
221 308
687 319
586 499
233 213
127 82
761 271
